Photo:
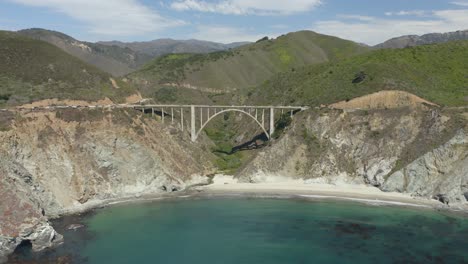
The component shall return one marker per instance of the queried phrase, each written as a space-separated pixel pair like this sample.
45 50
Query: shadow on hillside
257 142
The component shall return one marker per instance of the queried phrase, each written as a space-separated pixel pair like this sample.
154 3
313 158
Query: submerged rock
75 226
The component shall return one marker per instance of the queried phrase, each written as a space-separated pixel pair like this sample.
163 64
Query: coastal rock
41 235
422 152
7 246
440 173
69 161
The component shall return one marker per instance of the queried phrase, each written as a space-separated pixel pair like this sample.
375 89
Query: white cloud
111 18
357 17
227 34
247 7
407 13
380 29
460 3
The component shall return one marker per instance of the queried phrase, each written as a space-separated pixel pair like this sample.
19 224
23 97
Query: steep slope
437 73
54 163
243 67
33 70
415 40
416 151
113 59
160 47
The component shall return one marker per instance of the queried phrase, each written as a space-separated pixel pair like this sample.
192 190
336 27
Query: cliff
420 151
62 162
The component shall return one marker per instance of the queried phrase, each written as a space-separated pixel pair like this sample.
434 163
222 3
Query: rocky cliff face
423 152
55 163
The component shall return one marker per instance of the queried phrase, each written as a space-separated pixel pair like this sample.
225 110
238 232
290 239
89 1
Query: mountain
160 47
437 73
32 70
243 67
113 59
415 40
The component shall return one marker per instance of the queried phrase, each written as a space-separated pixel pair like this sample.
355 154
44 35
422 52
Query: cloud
247 7
111 18
407 13
460 3
357 17
227 34
381 29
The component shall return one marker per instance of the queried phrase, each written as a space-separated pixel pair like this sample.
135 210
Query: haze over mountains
159 47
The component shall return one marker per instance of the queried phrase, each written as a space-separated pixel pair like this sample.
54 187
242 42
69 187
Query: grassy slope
248 66
112 59
438 73
33 70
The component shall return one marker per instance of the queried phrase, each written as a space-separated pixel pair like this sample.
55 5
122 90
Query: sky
365 21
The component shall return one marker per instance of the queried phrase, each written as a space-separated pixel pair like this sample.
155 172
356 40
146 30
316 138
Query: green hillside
112 59
32 70
438 73
246 66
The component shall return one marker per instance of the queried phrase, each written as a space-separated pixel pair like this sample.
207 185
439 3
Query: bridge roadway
203 114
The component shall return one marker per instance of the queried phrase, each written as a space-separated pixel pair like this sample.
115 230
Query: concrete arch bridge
201 115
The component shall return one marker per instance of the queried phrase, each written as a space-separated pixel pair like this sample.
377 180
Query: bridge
264 116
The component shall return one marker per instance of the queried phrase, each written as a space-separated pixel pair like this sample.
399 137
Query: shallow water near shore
245 230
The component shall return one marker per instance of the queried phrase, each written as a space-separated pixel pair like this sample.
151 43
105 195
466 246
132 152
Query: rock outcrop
441 173
412 150
66 161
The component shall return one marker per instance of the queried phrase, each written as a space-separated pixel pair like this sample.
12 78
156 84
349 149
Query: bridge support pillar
272 121
193 131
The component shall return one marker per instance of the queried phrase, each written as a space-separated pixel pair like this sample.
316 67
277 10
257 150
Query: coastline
227 187
355 193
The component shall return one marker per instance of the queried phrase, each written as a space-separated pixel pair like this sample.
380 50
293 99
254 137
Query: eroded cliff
61 162
420 151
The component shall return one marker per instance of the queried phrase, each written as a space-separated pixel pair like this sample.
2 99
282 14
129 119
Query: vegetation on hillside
32 70
242 68
108 58
438 73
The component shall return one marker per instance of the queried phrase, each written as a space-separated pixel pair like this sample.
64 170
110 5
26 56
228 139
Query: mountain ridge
163 46
416 40
112 59
33 70
243 67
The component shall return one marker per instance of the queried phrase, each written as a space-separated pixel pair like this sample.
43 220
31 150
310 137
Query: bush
166 94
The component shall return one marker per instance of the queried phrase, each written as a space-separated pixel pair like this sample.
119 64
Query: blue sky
366 21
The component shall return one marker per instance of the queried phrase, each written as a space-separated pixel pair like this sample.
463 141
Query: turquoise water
267 231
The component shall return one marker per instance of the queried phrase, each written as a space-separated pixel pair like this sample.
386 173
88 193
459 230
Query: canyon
68 161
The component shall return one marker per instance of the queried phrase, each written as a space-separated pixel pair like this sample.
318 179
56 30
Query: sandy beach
226 185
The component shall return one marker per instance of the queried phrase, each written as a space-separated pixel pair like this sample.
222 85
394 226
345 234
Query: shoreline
355 193
362 194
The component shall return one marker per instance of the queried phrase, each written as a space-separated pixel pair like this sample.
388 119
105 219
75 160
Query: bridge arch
231 110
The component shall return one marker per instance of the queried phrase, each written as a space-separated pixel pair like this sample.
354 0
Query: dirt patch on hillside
55 101
114 83
134 98
382 100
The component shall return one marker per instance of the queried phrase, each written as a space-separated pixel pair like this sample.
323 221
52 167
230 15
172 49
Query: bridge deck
154 106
